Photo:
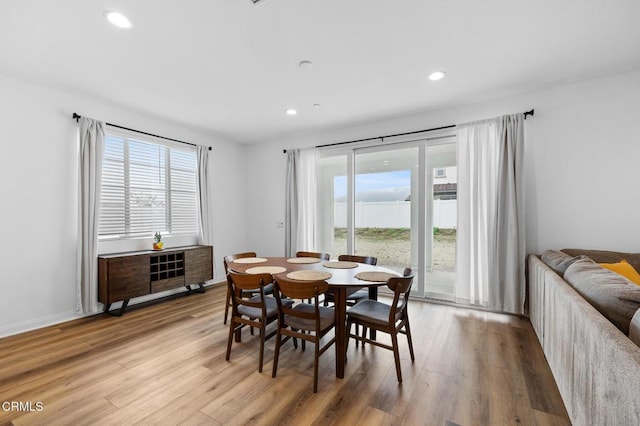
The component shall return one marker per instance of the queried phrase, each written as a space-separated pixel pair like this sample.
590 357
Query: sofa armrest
634 328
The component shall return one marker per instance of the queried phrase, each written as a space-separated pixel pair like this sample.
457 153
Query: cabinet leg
123 307
120 311
200 288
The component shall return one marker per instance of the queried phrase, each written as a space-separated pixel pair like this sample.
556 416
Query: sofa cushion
558 261
625 269
603 256
614 296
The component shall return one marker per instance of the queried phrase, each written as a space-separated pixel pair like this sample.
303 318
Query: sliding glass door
385 183
442 216
395 202
333 206
386 201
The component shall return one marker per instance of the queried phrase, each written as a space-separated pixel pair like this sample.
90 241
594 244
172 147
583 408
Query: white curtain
204 201
89 177
300 209
307 200
490 251
291 204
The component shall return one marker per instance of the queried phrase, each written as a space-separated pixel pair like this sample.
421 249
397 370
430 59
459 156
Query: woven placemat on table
375 276
265 270
309 275
303 260
250 260
340 265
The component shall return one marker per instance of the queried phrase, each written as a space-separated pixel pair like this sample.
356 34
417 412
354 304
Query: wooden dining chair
255 311
323 256
391 319
226 262
306 321
354 294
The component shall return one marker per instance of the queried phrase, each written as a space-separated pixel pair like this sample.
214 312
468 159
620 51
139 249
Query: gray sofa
583 315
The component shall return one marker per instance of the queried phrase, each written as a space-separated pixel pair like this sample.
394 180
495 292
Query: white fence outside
395 214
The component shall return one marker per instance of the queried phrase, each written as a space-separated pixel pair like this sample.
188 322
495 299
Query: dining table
343 281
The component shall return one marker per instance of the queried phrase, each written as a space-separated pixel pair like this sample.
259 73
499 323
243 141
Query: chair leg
396 355
226 306
295 341
276 353
315 365
231 333
408 330
261 347
349 322
364 334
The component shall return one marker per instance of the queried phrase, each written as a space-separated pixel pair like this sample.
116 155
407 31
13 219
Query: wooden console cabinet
123 276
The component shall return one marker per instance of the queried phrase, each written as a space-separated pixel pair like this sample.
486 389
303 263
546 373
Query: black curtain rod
526 114
77 117
387 136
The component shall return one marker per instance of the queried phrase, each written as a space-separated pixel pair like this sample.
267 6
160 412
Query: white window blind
147 187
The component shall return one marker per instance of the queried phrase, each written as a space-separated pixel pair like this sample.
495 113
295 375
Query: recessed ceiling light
316 105
118 19
291 111
305 65
436 75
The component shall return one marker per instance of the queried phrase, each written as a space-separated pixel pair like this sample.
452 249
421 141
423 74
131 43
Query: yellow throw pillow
625 269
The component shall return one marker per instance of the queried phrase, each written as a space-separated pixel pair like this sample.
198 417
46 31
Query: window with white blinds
147 187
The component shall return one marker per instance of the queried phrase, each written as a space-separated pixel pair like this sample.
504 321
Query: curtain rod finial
527 113
76 116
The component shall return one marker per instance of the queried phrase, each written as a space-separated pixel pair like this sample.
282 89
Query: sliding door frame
445 136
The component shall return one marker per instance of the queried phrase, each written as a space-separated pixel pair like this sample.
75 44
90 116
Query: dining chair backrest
231 257
323 256
369 260
295 289
250 281
401 287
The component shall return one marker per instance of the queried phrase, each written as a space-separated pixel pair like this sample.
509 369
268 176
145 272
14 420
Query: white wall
38 192
582 154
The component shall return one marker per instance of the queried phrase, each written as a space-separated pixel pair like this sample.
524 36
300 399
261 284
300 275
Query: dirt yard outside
392 246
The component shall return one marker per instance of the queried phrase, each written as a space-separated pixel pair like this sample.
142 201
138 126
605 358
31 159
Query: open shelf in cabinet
165 266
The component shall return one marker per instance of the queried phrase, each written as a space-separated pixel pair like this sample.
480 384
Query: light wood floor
164 364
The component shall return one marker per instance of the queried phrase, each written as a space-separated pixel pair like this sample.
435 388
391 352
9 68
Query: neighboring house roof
445 187
447 191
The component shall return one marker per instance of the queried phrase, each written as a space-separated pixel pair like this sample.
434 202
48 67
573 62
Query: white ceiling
231 67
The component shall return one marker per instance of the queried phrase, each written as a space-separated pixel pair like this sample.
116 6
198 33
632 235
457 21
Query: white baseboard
36 323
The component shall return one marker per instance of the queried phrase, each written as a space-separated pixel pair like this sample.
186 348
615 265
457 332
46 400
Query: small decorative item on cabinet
158 244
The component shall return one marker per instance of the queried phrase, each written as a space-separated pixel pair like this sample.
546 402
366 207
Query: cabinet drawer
166 284
128 277
198 265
